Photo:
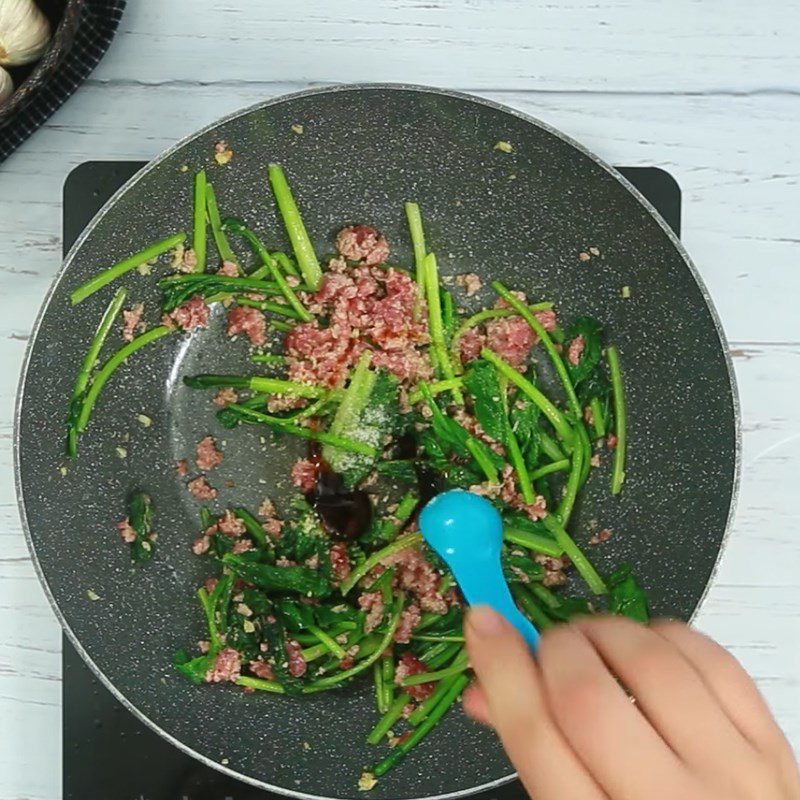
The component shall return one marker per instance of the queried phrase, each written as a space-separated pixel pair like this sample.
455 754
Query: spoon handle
486 586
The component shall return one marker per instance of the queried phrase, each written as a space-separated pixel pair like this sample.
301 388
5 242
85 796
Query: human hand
698 729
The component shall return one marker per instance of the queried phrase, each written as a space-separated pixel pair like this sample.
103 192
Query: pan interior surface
521 217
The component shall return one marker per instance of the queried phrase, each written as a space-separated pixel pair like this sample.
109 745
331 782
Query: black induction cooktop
108 753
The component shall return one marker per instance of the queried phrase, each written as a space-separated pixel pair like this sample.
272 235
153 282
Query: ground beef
471 424
132 321
285 402
273 527
227 667
241 546
575 350
261 669
611 441
553 569
228 269
182 467
201 545
207 455
470 283
304 475
601 536
362 243
231 525
415 575
224 396
365 307
340 563
348 662
470 345
297 664
507 491
250 321
200 489
210 585
594 461
409 665
267 509
511 338
371 602
409 620
192 314
127 533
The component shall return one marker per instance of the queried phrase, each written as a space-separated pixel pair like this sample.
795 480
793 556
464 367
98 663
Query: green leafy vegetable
140 519
626 597
300 580
590 332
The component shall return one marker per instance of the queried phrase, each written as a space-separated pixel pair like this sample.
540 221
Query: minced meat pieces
231 525
250 321
132 321
575 350
200 488
207 455
362 243
304 475
224 396
297 664
410 665
227 667
409 620
192 314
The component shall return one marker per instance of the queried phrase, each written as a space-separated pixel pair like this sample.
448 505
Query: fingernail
485 621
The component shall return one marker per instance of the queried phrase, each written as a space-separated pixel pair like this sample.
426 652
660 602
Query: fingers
670 693
736 693
512 688
726 679
617 745
474 703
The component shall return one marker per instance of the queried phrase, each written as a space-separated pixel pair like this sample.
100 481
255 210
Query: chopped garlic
366 782
122 452
144 420
504 147
92 595
298 129
626 292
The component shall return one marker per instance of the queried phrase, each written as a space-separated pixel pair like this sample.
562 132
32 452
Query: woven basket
65 17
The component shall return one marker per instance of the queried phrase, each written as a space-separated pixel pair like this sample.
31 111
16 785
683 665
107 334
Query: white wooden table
708 90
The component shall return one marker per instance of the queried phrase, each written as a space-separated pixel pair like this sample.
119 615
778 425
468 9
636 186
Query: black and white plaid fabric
98 26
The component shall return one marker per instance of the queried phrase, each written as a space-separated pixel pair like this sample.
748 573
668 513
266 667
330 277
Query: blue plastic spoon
466 531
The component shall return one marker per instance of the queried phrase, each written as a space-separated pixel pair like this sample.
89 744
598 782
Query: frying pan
522 217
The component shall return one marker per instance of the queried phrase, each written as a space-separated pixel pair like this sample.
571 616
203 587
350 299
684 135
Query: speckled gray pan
523 217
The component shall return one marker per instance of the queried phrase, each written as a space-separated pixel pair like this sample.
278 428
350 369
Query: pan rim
348 87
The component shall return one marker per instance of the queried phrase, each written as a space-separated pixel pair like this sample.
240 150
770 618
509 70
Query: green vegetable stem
303 249
126 265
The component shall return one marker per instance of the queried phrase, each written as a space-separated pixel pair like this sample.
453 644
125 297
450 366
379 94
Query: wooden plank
683 46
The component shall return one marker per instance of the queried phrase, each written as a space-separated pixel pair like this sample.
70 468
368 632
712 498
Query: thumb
517 709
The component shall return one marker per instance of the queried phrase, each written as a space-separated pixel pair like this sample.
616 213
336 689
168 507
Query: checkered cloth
95 32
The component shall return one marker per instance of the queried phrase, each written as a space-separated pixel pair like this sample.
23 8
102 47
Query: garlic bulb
24 32
6 86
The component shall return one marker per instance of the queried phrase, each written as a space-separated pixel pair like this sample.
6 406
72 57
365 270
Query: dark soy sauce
345 513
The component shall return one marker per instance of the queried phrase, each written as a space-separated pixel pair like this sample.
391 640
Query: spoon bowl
467 532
